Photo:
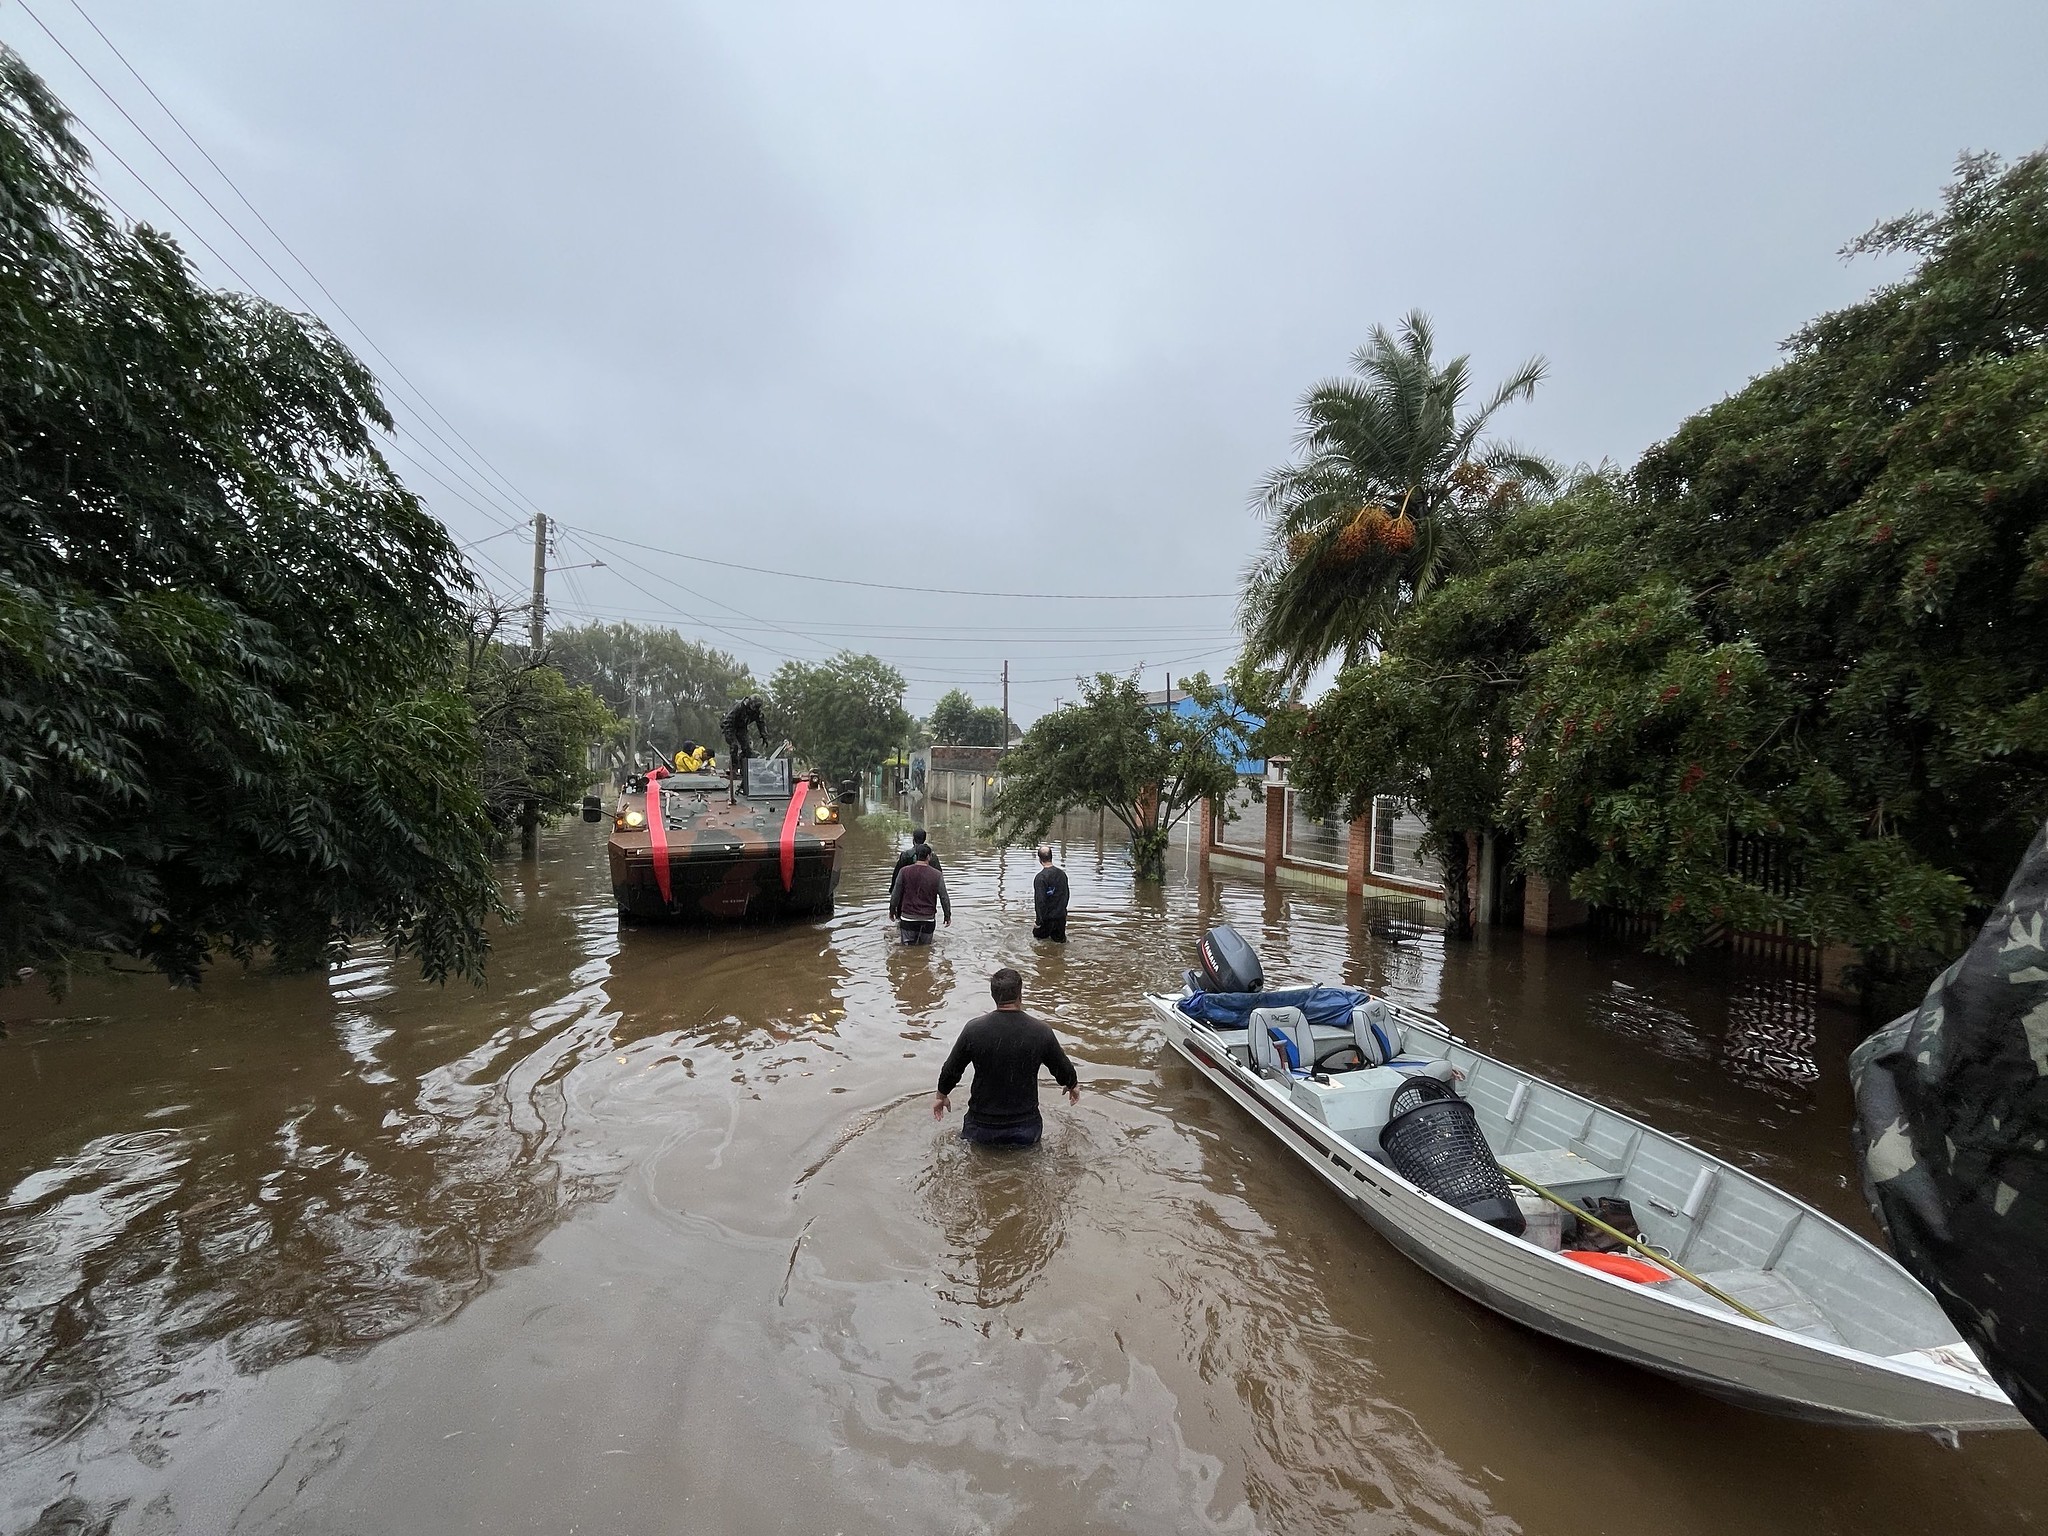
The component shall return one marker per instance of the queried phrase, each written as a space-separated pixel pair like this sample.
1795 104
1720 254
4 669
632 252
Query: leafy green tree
1113 752
1391 491
1873 517
1809 622
674 688
534 728
844 715
1435 719
956 722
226 720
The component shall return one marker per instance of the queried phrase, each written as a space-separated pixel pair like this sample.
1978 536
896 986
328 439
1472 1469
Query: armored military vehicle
761 842
752 841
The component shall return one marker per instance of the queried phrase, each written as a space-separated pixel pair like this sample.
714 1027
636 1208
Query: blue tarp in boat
1233 1010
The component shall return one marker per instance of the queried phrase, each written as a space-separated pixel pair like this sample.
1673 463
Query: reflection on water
656 1230
1773 1030
1001 1212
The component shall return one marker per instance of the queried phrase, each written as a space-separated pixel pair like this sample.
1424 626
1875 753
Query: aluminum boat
1849 1337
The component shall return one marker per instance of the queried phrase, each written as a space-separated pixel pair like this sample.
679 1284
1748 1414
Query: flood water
655 1233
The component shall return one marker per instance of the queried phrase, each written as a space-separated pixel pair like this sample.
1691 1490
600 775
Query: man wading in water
919 838
916 897
1049 898
1006 1048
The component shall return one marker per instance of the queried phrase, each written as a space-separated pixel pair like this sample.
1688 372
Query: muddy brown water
655 1233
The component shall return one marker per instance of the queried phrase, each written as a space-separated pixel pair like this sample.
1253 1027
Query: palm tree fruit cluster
1372 528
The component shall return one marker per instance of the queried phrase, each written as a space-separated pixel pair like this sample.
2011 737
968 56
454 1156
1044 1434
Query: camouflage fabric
738 725
1952 1131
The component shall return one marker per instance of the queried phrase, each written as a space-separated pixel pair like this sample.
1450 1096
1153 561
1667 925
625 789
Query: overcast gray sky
1016 298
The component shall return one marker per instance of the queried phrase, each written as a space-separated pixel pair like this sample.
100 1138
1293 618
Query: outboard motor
1227 963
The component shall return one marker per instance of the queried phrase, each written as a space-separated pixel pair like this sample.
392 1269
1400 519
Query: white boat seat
1379 1040
1281 1042
1377 1033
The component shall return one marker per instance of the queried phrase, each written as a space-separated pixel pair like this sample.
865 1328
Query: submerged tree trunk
1148 843
1148 853
1457 863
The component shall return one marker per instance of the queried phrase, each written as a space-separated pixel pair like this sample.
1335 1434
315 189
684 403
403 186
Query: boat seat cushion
1281 1041
1380 1041
1377 1032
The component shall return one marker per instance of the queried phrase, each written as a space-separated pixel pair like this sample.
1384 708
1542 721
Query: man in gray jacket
917 896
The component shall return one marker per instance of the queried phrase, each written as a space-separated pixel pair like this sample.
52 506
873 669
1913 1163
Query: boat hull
1721 1354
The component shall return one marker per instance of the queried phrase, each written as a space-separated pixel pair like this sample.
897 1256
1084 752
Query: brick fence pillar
1358 853
1548 907
1276 825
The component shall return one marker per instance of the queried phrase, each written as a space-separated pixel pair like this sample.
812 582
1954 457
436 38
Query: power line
473 469
706 623
517 526
193 231
480 462
463 471
1067 677
1112 661
118 159
472 543
716 603
890 586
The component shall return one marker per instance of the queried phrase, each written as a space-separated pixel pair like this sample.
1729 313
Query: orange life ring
1619 1265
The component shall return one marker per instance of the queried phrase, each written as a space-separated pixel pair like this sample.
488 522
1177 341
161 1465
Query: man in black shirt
918 839
1006 1049
1049 899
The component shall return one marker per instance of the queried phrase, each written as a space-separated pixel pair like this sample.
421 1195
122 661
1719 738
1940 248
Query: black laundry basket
1432 1138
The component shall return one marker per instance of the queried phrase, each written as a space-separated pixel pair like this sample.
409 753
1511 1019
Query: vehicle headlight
628 819
827 813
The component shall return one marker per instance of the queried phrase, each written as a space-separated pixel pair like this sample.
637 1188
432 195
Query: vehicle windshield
767 778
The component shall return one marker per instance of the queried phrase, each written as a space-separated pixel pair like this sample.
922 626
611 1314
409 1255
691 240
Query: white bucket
1545 1221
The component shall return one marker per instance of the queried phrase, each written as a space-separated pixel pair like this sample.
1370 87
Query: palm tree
1389 493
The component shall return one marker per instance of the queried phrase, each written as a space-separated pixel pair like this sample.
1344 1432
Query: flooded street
655 1233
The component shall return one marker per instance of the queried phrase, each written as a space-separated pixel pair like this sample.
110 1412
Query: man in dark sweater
1006 1048
1049 899
916 896
919 838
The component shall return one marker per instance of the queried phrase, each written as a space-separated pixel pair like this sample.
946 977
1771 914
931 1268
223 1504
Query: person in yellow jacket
691 758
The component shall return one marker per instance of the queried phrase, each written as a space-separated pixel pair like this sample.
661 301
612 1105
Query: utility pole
536 634
1006 709
537 629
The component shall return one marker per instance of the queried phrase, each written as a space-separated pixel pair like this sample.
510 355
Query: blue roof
1247 765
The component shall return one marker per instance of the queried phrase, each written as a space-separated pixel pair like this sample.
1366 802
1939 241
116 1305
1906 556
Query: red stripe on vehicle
790 822
657 839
